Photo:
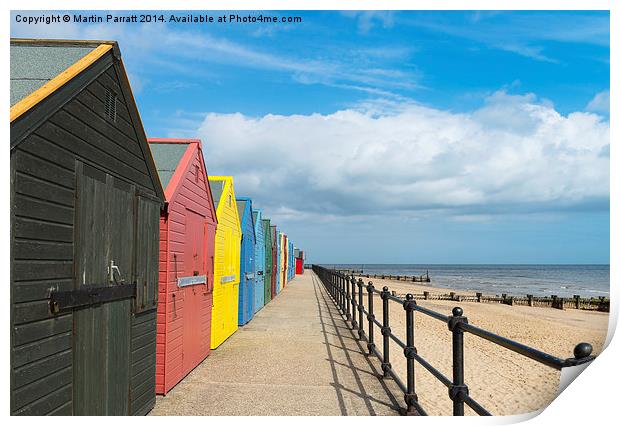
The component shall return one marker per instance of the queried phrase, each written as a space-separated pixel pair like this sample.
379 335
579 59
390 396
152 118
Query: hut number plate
187 281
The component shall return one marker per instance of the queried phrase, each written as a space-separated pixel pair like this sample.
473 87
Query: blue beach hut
246 274
259 261
279 257
275 262
291 260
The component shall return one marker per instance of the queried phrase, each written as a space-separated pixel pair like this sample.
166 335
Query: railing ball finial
409 297
457 312
582 350
385 288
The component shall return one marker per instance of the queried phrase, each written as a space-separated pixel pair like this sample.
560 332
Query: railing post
410 396
371 319
342 301
338 302
341 290
360 309
335 288
353 302
336 295
342 293
348 284
458 391
385 332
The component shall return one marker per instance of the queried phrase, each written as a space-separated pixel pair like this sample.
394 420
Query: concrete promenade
296 357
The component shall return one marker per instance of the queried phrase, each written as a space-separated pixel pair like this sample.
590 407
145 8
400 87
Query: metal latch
114 268
87 296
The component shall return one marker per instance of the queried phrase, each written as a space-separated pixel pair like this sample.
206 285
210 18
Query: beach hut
288 259
268 259
283 259
291 261
224 315
299 262
277 259
259 261
84 242
187 238
246 271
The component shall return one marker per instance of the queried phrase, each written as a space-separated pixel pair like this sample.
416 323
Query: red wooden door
194 265
210 229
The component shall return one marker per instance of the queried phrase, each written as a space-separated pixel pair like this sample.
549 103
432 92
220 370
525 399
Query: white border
589 400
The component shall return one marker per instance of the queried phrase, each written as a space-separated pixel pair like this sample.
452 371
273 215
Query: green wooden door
104 242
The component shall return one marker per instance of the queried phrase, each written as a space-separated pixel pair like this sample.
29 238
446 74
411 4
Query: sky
391 137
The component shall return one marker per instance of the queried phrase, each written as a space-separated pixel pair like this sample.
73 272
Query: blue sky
393 137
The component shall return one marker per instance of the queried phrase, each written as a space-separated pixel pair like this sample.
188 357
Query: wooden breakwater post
414 279
557 302
478 297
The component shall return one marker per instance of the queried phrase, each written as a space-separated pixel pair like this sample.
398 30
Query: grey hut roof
241 208
217 187
167 157
33 65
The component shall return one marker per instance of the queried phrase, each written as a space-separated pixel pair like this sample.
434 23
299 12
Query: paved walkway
296 357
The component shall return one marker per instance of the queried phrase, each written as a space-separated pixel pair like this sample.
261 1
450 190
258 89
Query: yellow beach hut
283 279
226 260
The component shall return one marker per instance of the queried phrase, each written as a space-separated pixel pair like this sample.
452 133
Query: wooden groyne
424 278
600 304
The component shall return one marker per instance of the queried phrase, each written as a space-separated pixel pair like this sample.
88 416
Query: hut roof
241 207
40 67
167 157
217 188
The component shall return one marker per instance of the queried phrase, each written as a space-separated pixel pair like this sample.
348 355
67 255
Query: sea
517 280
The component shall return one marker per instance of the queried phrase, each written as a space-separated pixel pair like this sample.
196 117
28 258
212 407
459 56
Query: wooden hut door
194 295
104 234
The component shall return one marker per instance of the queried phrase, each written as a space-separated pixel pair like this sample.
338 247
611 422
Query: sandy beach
502 381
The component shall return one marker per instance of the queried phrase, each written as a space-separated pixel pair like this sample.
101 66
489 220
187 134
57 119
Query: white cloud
516 154
368 19
600 103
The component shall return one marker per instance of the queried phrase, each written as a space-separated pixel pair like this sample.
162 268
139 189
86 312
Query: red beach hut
299 262
187 240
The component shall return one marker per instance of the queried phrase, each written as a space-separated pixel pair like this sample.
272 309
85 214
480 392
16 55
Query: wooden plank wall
227 262
43 201
193 194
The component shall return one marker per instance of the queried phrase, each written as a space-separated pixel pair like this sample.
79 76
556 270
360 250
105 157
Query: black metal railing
348 296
